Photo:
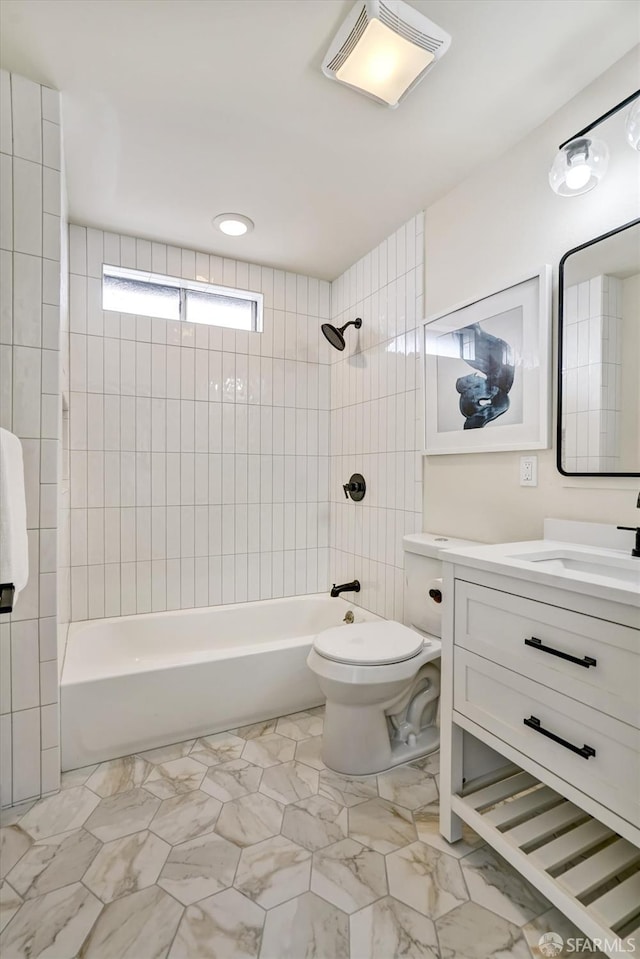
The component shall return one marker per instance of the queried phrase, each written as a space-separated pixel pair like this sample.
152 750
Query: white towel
14 548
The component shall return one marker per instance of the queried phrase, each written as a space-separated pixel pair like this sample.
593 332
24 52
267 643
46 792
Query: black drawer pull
537 644
585 751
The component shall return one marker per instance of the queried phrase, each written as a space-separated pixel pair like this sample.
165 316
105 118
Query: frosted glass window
146 299
172 298
220 310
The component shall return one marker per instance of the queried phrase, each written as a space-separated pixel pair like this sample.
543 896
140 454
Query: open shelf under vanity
582 866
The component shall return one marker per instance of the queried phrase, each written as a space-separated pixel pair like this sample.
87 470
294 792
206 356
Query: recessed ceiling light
233 224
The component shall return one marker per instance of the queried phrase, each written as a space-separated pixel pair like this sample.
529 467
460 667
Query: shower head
335 334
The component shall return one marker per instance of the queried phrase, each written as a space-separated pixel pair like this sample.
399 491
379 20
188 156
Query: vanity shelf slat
542 827
619 905
611 861
511 814
576 843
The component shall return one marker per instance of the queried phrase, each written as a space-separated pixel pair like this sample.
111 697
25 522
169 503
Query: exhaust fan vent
383 49
404 29
350 43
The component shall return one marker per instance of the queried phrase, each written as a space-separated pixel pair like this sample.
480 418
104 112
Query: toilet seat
369 644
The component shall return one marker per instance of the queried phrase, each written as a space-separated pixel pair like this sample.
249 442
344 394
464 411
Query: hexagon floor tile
389 928
349 875
242 845
250 819
273 871
199 868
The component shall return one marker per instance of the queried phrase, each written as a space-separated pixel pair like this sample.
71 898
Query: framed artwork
486 372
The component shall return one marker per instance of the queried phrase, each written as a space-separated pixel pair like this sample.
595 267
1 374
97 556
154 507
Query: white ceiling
177 110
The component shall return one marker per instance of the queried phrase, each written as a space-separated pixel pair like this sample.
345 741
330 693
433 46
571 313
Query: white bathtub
136 682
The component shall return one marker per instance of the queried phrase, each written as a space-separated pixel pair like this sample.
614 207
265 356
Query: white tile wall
199 457
593 375
375 417
29 407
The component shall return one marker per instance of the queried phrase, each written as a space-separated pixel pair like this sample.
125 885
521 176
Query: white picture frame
486 371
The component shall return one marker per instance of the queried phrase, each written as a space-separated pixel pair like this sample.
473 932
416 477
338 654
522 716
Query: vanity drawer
591 660
500 701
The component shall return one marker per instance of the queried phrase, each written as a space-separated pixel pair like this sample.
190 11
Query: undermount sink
620 570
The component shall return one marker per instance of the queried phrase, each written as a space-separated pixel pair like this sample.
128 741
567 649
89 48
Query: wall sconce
581 161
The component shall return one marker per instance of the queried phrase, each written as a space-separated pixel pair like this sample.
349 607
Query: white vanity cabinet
540 733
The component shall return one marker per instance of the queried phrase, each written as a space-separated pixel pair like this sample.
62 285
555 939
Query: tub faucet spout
353 587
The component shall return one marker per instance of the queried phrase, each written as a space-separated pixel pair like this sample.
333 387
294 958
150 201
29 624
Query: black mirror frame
576 249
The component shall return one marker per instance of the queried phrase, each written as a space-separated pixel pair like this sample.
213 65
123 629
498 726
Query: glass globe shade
578 167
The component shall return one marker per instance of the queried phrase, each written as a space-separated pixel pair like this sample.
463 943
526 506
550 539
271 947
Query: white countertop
502 558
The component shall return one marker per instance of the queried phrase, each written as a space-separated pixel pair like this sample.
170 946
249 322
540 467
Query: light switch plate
528 471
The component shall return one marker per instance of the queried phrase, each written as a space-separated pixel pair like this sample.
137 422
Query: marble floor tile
231 780
250 819
213 750
184 817
60 813
175 778
122 814
273 871
10 902
77 777
381 825
165 754
54 925
426 879
119 776
349 875
269 750
140 926
316 710
225 926
243 845
126 865
256 730
13 814
308 751
300 725
428 764
305 926
14 842
471 932
494 884
344 789
315 822
554 921
289 782
199 868
407 787
387 928
53 863
427 820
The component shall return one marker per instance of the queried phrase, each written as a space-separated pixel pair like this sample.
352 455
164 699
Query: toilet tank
422 568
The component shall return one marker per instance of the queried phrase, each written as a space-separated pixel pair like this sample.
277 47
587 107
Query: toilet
382 679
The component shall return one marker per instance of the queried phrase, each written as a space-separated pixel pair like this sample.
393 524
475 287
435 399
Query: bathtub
136 682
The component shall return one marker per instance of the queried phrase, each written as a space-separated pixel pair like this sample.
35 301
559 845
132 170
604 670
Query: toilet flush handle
435 595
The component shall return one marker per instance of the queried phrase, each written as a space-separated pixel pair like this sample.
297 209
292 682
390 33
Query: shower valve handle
355 488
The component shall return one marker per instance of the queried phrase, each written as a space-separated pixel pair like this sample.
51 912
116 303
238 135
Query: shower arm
357 323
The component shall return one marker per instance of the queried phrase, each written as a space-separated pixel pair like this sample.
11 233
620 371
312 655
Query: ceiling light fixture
233 224
581 161
383 49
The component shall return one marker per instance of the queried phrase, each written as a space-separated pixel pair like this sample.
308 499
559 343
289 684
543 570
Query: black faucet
634 529
353 587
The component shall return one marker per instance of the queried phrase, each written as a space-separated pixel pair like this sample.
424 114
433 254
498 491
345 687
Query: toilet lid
368 644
